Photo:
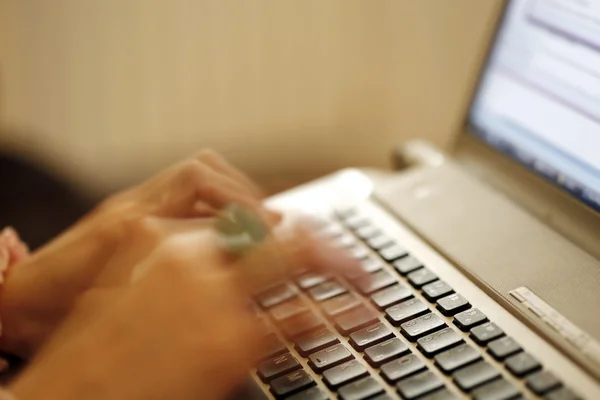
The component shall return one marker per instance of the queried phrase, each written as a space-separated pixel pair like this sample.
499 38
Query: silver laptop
483 261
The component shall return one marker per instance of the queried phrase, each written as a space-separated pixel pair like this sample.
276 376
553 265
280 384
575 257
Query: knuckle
180 253
190 168
195 173
208 155
145 227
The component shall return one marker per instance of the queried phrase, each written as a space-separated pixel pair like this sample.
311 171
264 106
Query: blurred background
100 94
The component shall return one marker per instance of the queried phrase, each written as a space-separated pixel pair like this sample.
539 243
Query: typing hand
42 291
182 330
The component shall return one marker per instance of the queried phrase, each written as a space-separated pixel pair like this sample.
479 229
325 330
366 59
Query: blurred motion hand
182 330
41 292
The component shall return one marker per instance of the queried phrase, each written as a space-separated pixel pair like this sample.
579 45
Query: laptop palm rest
502 247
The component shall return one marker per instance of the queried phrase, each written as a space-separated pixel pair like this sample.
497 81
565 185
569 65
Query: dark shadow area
37 203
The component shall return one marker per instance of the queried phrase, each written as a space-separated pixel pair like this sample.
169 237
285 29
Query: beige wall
111 90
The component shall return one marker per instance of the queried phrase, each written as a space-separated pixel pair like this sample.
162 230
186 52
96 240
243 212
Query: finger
309 251
282 256
221 165
17 250
199 183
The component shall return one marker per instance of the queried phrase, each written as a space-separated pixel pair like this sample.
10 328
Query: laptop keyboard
349 314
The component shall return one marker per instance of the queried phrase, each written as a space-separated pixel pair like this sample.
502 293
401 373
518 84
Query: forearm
58 271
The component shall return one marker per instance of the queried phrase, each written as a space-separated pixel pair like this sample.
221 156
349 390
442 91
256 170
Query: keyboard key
315 341
522 364
452 304
385 352
359 251
332 230
277 366
419 385
439 341
367 266
310 279
542 382
327 290
443 394
475 375
345 241
340 304
503 347
354 320
380 241
273 346
402 367
276 295
499 389
299 324
485 333
287 310
329 357
344 373
370 336
562 394
421 277
367 232
373 282
313 393
363 389
421 326
456 358
468 319
356 221
382 397
405 311
435 290
291 383
391 295
407 264
392 252
346 212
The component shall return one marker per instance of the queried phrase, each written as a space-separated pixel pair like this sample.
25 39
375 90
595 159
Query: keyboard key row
341 372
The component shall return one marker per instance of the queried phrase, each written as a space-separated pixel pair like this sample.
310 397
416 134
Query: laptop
484 261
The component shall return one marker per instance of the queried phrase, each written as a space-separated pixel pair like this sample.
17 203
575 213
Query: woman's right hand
182 331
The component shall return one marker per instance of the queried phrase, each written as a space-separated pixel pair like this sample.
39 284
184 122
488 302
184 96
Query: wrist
37 295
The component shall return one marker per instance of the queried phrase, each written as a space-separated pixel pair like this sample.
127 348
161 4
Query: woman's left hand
38 294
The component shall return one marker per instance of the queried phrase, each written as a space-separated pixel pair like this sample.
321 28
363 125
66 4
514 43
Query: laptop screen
539 97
